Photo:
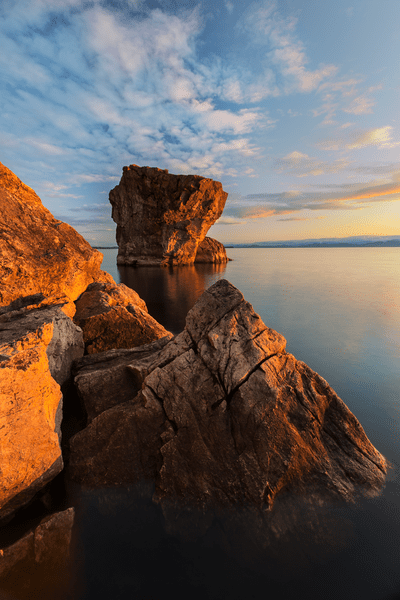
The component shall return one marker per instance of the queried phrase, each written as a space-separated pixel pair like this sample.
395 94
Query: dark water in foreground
339 309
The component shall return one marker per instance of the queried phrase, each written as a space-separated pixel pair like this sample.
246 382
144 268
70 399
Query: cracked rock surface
162 218
221 414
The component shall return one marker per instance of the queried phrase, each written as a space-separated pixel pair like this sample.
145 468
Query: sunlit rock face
222 414
114 316
38 344
40 254
162 218
211 251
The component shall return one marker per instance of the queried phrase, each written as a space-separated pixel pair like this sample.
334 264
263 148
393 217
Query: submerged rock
40 254
37 348
114 316
222 414
211 251
162 218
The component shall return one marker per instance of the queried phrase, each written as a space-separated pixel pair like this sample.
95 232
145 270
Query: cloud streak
347 197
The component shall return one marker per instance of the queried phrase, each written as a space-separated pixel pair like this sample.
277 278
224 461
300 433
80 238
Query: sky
292 104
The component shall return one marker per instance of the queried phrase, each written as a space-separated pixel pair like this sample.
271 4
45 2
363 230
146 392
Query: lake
339 310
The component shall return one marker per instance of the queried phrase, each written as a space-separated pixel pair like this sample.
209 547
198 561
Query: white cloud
226 121
361 105
380 136
284 49
300 164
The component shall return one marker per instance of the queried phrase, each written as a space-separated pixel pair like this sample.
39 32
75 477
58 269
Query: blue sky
292 104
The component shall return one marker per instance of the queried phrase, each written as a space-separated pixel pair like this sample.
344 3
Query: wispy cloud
345 196
379 137
301 218
361 105
87 87
300 164
284 48
126 91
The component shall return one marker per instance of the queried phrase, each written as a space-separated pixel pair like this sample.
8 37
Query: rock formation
211 251
40 254
220 414
114 316
37 347
162 218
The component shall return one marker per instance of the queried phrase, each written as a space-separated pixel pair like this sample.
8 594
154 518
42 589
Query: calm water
339 310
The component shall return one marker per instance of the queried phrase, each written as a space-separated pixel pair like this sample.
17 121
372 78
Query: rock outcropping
211 251
37 347
220 414
114 316
162 218
40 254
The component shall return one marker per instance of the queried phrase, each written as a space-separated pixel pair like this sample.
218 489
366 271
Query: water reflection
134 548
37 565
171 292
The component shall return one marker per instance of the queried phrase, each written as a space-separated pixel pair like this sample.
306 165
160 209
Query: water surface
339 310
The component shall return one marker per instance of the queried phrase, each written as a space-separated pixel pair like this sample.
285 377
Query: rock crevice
236 418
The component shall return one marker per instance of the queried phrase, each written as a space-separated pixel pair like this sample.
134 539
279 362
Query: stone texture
222 414
114 316
40 254
37 348
105 380
162 218
48 542
211 251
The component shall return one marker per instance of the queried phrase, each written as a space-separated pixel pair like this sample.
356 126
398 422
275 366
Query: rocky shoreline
218 415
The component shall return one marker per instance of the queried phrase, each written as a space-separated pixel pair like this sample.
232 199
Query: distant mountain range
360 241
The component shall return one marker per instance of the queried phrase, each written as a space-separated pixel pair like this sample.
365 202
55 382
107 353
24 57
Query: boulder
162 218
211 251
40 254
38 344
222 414
114 316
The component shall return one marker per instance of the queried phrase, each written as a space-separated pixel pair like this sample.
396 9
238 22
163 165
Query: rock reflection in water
36 564
297 533
171 292
137 548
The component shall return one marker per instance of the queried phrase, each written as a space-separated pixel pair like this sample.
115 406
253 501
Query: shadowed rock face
37 348
162 218
222 414
40 254
114 316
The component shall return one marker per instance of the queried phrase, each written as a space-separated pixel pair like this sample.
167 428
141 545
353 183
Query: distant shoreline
381 242
394 244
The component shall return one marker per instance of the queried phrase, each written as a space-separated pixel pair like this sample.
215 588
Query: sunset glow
302 131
